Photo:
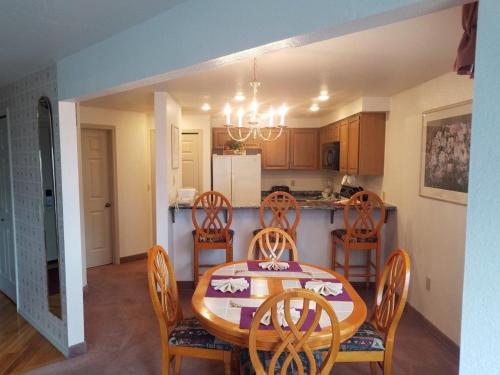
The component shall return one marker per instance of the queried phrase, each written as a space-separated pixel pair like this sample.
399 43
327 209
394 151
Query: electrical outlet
292 183
428 283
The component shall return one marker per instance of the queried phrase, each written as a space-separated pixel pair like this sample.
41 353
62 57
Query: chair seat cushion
367 339
265 358
341 233
214 239
190 333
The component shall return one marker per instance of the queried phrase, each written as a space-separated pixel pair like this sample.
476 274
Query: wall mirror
49 198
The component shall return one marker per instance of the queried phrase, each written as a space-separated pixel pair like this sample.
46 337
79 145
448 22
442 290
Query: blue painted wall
481 298
200 30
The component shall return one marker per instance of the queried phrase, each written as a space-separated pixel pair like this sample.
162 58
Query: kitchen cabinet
220 138
275 154
362 144
304 148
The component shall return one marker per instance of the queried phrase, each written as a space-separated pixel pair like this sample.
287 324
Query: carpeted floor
123 337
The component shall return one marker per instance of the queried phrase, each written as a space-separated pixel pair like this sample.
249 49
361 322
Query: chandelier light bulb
240 113
323 96
205 107
283 110
271 117
227 113
314 108
239 97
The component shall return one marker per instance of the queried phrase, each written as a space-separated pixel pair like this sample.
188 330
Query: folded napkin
274 265
324 288
267 320
230 285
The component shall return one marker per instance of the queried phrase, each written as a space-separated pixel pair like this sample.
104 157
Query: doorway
7 249
191 160
97 165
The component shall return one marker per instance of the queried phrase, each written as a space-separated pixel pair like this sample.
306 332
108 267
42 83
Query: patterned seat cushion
265 359
367 339
189 332
219 239
340 233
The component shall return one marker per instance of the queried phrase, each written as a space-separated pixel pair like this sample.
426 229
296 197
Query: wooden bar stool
361 232
279 203
211 233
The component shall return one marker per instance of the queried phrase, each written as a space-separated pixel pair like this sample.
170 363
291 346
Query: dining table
228 315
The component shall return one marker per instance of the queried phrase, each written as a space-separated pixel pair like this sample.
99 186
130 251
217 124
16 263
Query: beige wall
432 231
133 168
301 180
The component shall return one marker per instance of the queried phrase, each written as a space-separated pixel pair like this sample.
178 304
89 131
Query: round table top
220 313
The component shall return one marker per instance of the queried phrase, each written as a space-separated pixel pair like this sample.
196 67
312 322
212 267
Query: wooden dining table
227 315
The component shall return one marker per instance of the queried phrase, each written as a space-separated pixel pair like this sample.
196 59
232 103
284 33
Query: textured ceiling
377 62
35 33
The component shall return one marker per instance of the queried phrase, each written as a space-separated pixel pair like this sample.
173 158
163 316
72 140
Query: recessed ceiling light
314 108
206 107
323 96
239 97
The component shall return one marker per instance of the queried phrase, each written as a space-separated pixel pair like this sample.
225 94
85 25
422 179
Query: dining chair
361 233
270 243
280 204
374 341
210 232
292 354
179 337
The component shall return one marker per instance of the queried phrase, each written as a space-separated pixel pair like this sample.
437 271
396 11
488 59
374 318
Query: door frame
200 146
6 115
115 244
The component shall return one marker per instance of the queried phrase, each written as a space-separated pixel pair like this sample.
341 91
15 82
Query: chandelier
253 123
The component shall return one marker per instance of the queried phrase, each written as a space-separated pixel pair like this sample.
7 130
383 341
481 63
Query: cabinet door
304 148
219 138
353 145
336 132
275 153
344 146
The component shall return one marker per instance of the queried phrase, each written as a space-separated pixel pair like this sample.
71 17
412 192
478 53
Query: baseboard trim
447 343
77 349
133 258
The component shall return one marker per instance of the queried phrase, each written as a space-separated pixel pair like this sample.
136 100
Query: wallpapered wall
21 99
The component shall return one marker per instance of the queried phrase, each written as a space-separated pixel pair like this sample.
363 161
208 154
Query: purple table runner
211 292
344 296
246 318
253 265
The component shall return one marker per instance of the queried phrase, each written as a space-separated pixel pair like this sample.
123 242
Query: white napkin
324 288
266 319
274 265
230 285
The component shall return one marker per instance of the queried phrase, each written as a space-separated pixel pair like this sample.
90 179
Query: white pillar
72 230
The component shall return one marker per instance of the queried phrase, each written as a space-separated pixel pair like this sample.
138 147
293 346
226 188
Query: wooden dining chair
374 341
293 353
179 337
210 231
280 204
361 233
270 243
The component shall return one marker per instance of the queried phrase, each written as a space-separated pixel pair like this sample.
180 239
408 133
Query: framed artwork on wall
444 169
175 146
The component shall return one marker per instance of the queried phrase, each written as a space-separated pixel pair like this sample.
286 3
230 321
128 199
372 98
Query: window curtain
464 63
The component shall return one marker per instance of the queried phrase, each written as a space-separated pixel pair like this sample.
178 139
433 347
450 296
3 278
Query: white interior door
97 196
191 172
7 251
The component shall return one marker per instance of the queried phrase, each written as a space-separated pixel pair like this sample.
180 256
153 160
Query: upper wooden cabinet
304 148
220 137
362 144
275 154
329 133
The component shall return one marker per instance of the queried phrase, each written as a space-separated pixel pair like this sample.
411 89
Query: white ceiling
36 33
376 62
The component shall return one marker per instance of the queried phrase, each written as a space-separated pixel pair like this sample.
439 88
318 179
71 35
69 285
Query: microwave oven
330 157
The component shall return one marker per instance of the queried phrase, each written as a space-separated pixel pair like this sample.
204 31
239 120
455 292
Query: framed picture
175 146
444 170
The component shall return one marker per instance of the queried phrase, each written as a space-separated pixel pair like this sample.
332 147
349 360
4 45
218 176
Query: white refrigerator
238 177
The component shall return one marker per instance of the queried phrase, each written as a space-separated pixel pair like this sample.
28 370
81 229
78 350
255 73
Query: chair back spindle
279 204
211 226
363 226
270 243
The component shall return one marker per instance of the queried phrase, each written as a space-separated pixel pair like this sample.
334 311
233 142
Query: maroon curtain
464 63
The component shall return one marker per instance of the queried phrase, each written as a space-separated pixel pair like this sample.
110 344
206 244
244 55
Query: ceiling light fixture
314 108
206 107
250 123
323 96
239 97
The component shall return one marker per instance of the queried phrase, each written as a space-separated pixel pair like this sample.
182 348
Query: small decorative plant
235 147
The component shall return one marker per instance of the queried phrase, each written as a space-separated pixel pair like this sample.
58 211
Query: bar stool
361 232
279 203
210 232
